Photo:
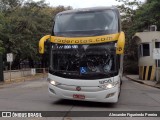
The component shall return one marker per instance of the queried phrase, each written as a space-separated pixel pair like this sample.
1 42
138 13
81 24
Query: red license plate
77 96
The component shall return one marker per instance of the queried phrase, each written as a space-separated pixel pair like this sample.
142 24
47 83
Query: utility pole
1 69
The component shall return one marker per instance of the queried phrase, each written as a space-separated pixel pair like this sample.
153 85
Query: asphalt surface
34 96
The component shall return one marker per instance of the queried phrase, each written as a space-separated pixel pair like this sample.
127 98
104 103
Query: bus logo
78 88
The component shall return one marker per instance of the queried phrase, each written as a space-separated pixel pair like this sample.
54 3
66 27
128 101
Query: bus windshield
87 23
93 61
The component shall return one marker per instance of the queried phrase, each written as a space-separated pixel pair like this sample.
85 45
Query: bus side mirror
120 43
41 43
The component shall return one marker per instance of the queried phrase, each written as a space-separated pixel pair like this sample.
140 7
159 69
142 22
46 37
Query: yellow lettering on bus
85 40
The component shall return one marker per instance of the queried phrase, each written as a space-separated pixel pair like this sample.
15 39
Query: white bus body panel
89 88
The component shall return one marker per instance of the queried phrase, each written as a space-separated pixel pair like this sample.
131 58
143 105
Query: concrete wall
16 74
148 36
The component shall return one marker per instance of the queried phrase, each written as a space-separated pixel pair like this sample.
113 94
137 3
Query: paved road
33 96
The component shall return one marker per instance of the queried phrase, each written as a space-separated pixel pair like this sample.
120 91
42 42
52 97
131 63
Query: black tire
121 82
120 89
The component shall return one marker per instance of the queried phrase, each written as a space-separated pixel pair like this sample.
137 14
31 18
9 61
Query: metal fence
24 73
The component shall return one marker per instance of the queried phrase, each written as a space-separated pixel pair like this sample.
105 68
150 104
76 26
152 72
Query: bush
131 67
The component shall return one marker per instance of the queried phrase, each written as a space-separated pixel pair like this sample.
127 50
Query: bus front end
86 55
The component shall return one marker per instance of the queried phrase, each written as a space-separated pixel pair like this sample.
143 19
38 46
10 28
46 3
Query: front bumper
103 95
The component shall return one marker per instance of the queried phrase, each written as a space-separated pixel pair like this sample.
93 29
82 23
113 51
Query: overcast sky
82 3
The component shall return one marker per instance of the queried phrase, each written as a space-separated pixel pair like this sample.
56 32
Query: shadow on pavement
84 103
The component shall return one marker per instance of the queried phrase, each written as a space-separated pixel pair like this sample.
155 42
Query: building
147 41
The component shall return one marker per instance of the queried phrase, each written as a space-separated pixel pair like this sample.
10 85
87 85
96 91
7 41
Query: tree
128 11
2 21
10 5
137 17
26 23
148 14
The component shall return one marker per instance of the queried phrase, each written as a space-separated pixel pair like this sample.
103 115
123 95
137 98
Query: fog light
52 90
110 95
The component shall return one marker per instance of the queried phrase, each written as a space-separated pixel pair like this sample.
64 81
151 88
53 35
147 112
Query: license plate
77 96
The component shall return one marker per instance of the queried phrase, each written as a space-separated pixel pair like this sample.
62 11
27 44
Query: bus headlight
109 85
52 82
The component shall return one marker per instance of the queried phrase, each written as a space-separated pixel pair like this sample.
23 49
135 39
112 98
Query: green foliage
10 5
148 14
137 17
128 10
2 21
25 23
1 48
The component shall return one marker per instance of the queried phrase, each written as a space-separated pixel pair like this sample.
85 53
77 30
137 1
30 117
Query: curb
141 82
23 79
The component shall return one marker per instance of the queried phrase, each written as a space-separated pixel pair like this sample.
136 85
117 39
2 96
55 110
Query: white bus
86 55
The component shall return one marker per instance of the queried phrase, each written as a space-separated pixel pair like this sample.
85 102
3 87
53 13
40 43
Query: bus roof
88 9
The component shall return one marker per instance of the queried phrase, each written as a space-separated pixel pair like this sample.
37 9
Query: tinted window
86 23
144 50
157 44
